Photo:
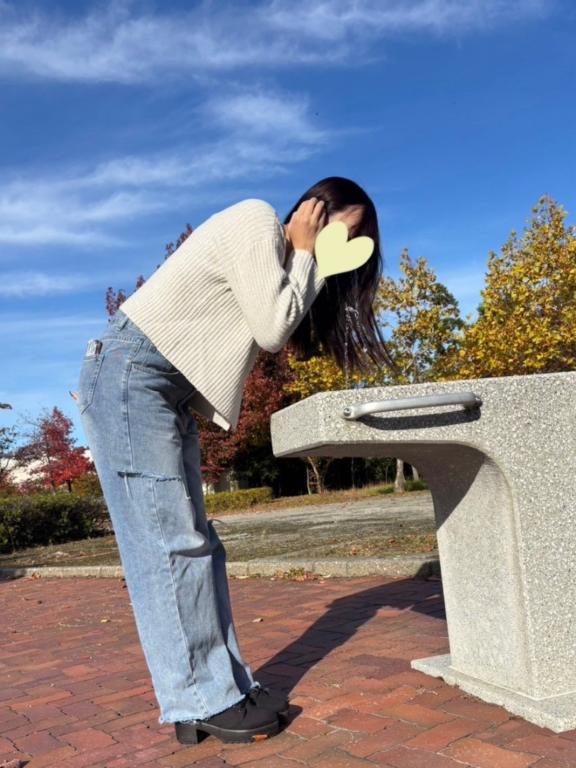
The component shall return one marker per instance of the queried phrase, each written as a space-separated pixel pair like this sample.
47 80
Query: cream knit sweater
221 295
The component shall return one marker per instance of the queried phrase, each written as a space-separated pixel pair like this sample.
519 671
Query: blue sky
123 121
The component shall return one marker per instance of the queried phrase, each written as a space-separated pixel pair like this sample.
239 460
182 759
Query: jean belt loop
120 319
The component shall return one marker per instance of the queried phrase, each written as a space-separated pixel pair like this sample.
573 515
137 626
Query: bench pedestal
555 712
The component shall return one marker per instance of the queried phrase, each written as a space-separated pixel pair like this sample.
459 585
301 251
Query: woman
186 340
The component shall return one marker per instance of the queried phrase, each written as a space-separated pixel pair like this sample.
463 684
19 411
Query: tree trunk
415 473
316 469
400 482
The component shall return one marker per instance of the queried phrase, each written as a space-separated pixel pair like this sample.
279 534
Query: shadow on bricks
341 622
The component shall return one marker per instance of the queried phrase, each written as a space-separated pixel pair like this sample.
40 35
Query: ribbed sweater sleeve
274 299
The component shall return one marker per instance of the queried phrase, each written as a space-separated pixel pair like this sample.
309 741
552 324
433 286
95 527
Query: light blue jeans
146 451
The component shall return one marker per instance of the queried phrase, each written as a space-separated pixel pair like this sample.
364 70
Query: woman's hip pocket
102 371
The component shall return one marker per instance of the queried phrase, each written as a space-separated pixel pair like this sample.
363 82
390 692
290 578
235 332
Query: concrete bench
499 456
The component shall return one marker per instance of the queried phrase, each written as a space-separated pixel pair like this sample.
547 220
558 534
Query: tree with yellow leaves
424 319
425 324
527 319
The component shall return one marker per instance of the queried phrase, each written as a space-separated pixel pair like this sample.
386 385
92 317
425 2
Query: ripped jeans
145 447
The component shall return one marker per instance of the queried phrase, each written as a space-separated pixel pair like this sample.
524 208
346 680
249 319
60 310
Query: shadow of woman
341 621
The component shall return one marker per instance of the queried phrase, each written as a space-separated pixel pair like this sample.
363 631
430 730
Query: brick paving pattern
75 690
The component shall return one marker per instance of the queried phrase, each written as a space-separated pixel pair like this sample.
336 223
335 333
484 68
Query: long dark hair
325 322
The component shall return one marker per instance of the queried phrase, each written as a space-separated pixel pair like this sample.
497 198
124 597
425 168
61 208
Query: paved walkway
75 691
320 530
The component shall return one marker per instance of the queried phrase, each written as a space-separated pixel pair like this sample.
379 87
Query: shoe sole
195 731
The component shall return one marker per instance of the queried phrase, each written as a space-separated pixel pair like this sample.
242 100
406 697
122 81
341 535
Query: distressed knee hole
149 474
127 474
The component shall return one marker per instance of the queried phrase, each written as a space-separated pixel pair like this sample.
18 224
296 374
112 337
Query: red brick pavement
75 690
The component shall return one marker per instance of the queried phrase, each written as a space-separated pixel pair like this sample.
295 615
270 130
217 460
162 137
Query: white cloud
52 210
27 284
337 19
267 114
111 44
29 328
52 235
262 133
119 43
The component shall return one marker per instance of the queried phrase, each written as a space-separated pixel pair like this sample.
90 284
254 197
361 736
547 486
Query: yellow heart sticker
336 254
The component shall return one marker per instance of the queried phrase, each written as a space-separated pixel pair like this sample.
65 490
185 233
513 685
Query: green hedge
226 500
48 518
417 485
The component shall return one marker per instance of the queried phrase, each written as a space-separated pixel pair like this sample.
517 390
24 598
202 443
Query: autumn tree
424 324
50 455
248 449
527 319
424 321
115 299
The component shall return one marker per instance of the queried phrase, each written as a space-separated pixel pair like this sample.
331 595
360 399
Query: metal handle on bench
467 399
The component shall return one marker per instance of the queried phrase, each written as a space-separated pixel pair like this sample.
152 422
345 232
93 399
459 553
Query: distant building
18 472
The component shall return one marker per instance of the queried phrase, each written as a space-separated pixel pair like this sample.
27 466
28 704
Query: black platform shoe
274 701
243 721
